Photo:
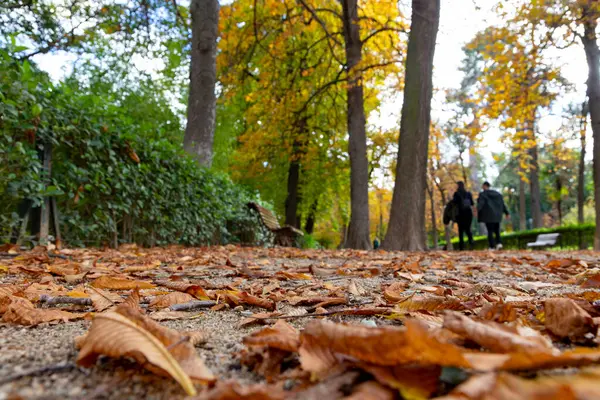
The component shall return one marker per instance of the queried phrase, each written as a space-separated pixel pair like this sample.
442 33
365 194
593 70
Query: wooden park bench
544 240
286 236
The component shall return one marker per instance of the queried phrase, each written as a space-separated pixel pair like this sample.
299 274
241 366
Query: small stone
369 323
238 308
289 384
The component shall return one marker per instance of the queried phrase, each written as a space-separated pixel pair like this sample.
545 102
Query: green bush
116 178
570 237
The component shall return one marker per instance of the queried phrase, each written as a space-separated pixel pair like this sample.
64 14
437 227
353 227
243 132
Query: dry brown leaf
256 301
305 301
109 282
102 300
259 318
280 336
564 263
169 299
233 390
428 303
324 343
371 390
496 337
395 292
127 333
504 386
62 270
592 281
499 312
195 290
356 288
21 311
116 336
564 318
412 382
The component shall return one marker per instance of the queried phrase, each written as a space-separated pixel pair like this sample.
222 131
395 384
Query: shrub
570 237
114 180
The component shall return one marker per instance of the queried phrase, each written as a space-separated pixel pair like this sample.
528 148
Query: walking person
464 204
490 207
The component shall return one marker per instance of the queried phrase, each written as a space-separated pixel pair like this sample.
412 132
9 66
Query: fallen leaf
109 282
498 312
324 343
592 281
280 336
102 299
564 318
169 299
505 386
394 292
195 290
371 391
233 390
428 303
496 337
127 333
412 382
22 312
356 289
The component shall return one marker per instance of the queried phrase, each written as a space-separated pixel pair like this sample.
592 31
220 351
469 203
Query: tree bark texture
406 229
534 182
202 100
434 231
581 171
357 236
293 194
522 206
592 53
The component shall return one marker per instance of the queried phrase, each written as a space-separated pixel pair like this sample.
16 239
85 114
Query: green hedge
570 237
118 173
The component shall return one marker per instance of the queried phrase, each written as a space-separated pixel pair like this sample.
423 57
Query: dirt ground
39 361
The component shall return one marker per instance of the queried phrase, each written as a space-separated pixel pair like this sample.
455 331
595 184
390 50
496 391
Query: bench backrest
267 217
547 237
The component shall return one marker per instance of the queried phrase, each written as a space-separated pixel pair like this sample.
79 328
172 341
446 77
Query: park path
289 323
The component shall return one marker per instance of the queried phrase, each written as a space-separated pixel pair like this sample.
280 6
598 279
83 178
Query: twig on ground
81 301
60 367
192 305
351 311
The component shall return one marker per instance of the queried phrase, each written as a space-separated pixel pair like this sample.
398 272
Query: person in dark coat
464 204
490 207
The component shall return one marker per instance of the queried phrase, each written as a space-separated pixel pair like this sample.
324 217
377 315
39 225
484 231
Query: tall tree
202 100
581 169
590 13
358 229
406 230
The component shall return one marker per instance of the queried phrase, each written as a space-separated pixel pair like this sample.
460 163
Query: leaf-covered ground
230 322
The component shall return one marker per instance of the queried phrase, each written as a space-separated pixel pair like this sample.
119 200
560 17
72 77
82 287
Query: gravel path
26 351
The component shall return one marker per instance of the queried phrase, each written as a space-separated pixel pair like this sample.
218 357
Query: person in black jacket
464 203
490 207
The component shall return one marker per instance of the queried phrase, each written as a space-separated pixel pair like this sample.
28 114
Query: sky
460 20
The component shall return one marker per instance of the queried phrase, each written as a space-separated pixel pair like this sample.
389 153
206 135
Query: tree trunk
357 236
434 231
534 182
522 205
310 220
592 53
559 199
406 229
202 100
292 200
581 172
